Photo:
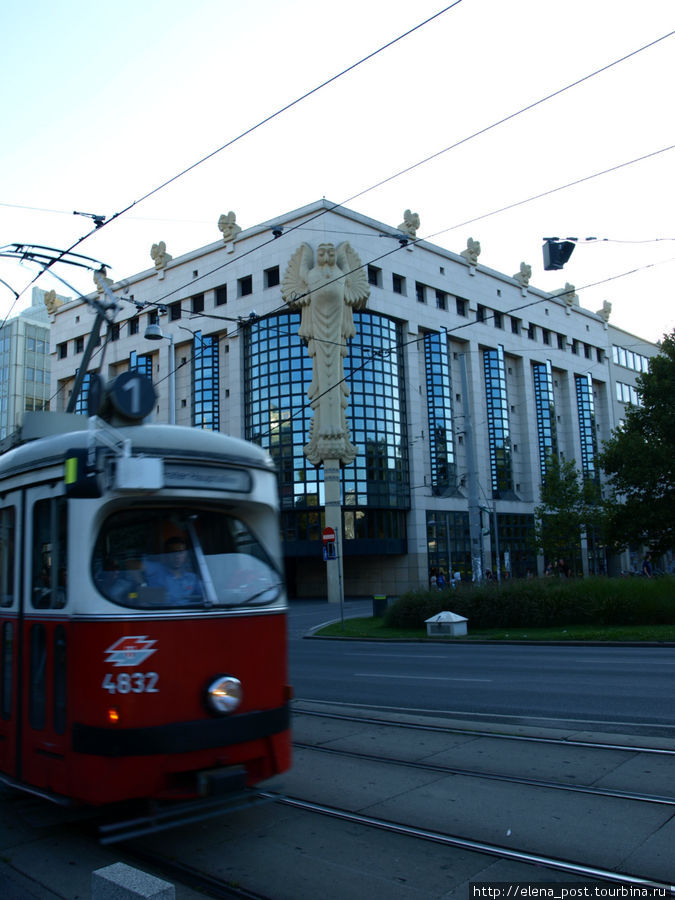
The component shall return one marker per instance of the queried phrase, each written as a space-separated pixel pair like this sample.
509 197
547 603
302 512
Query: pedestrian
433 580
647 565
456 578
440 580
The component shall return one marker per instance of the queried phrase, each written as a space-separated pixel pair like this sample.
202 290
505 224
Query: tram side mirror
82 477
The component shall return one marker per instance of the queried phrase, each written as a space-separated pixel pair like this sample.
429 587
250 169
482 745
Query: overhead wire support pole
101 316
45 256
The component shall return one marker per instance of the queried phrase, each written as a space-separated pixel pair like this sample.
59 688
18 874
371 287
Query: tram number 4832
136 683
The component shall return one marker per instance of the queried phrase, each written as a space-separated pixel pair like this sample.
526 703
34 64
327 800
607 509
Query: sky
104 102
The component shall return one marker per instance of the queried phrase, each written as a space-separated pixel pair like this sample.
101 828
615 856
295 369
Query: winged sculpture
326 293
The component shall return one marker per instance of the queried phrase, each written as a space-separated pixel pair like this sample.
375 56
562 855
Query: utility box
380 604
447 623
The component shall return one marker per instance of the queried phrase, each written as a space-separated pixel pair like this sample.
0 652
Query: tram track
212 886
475 732
400 808
494 776
448 840
602 785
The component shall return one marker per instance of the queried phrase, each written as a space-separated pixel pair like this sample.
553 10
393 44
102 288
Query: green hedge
543 602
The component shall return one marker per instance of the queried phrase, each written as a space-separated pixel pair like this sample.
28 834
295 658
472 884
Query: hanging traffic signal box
556 254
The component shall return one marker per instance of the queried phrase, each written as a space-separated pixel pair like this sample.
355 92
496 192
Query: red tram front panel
137 720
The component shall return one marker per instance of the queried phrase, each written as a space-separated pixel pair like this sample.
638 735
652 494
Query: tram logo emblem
130 651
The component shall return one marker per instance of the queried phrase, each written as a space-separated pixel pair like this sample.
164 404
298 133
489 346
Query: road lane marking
416 677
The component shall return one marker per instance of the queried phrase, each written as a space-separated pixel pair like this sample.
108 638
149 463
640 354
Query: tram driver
166 579
174 573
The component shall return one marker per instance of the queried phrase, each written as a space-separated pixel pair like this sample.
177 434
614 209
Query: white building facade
25 364
449 357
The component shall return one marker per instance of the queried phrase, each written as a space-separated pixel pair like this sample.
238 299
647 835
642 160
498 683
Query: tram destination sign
205 477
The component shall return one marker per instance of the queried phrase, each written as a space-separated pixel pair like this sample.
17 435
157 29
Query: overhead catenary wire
161 301
429 158
99 225
396 347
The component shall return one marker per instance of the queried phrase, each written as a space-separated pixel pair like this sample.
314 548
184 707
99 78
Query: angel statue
159 255
472 252
227 225
326 293
524 275
410 224
52 302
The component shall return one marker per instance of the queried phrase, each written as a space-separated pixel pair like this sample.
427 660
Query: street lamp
155 333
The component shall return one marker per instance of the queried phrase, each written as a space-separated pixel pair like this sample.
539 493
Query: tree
570 506
558 517
639 460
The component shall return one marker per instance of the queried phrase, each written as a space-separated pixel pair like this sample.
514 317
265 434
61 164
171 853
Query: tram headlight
224 694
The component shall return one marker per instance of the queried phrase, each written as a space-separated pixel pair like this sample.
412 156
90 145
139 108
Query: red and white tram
142 613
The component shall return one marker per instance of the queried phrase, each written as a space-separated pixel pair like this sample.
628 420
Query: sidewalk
305 616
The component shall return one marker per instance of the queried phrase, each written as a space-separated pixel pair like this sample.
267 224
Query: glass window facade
546 430
83 396
205 371
626 393
516 545
142 364
375 487
439 409
377 416
277 372
629 359
586 411
498 422
449 543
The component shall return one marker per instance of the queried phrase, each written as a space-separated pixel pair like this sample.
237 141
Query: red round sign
328 535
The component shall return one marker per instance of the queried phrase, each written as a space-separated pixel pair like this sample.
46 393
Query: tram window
164 558
60 679
7 668
38 677
7 556
50 558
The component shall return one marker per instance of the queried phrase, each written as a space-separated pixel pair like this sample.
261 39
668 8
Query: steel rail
495 776
561 865
442 729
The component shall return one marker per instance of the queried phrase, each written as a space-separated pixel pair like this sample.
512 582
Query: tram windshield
165 558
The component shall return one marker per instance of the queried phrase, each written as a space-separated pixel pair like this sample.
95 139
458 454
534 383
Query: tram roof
45 439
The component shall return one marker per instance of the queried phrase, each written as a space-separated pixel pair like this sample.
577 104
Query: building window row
545 404
36 345
587 430
439 411
499 434
629 359
626 393
205 382
39 376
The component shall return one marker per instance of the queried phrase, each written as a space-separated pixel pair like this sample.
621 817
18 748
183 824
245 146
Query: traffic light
556 253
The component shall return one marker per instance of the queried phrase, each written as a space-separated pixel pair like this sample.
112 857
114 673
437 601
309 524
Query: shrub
544 602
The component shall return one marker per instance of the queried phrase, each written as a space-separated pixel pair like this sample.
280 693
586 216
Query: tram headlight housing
224 694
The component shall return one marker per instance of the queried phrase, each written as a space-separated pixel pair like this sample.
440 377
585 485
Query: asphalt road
628 689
